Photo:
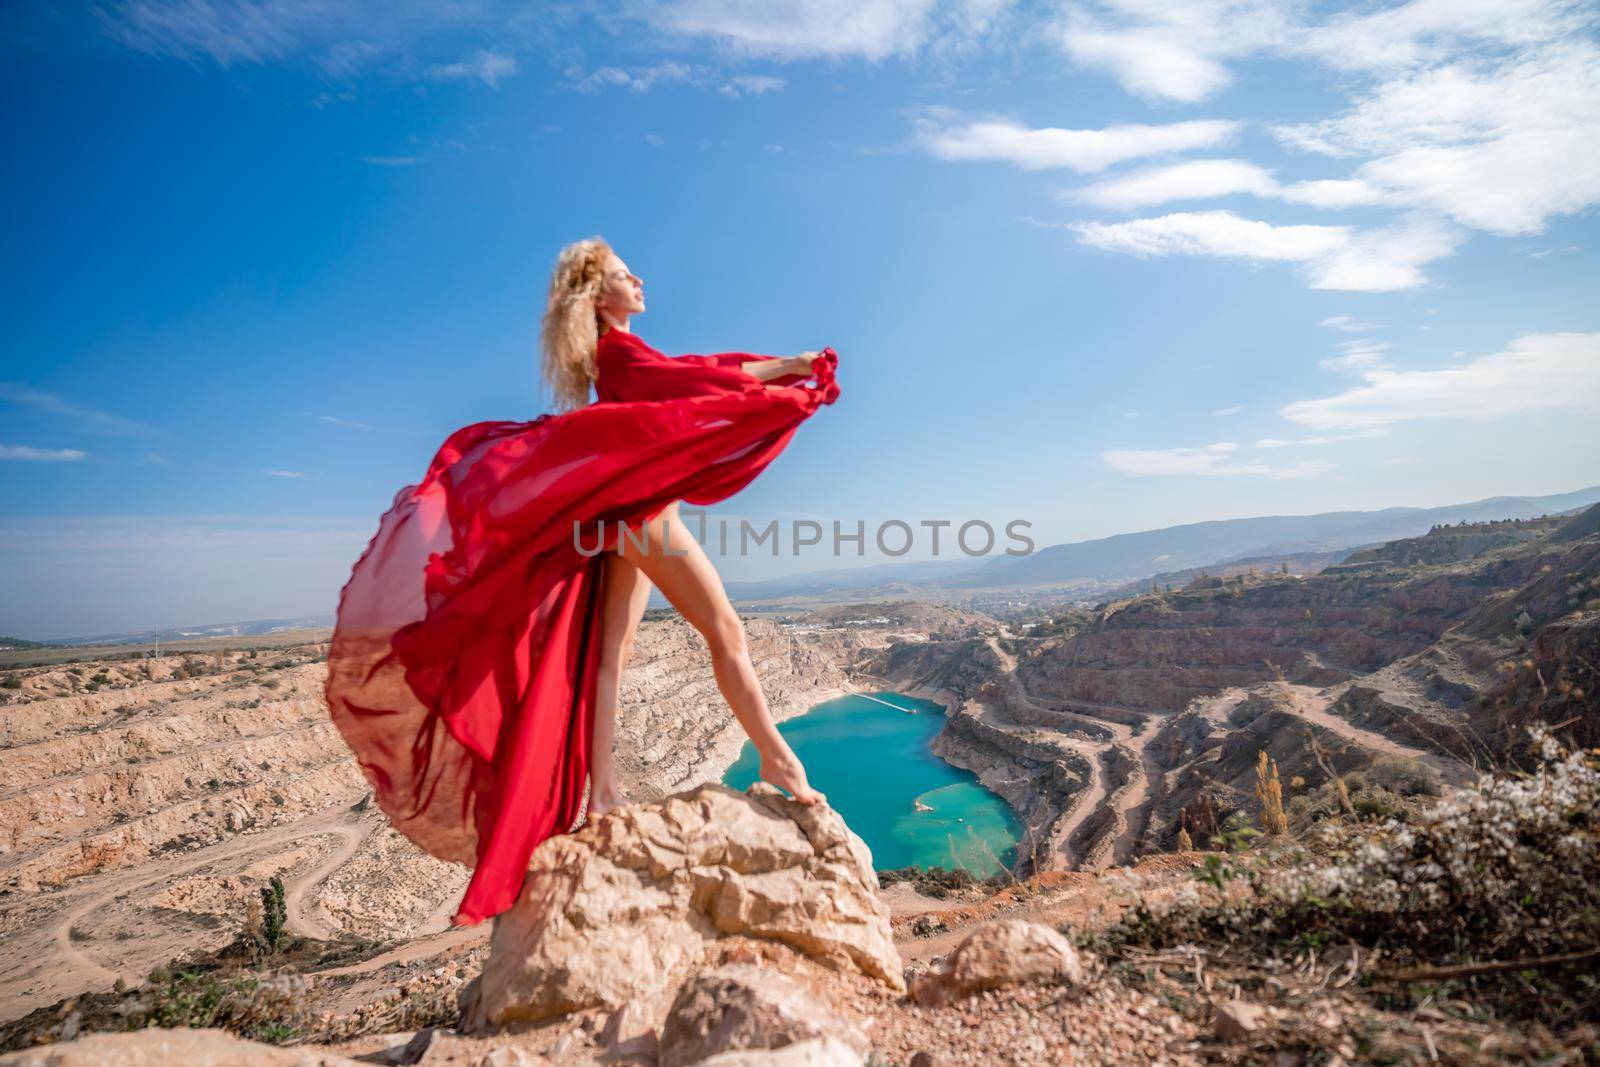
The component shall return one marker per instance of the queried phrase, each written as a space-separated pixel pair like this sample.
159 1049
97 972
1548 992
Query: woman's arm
766 370
762 368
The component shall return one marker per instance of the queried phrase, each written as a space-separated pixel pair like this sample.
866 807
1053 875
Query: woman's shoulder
621 337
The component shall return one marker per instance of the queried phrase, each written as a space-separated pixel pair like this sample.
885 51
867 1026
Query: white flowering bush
1504 871
1508 868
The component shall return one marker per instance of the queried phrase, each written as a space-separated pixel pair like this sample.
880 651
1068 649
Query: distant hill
9 643
1306 541
1295 563
253 628
877 580
1201 544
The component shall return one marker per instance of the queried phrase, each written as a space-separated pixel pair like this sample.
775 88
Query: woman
480 638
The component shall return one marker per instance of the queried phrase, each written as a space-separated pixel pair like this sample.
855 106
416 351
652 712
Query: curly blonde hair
570 329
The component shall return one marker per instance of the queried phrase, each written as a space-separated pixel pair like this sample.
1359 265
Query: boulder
996 954
629 905
741 1007
818 1052
156 1047
1236 1020
437 1047
631 1031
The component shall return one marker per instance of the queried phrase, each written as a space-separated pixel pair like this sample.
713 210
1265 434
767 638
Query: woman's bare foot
605 799
785 772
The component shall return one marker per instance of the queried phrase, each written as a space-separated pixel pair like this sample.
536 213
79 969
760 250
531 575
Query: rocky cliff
1421 659
144 801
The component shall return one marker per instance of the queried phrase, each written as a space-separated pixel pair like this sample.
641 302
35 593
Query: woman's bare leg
678 566
626 592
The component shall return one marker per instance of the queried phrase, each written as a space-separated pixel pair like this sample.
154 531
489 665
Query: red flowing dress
462 669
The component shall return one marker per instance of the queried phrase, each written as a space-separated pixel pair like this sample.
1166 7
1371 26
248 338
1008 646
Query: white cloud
1311 442
1228 411
671 72
1208 460
1430 31
1538 372
389 161
1183 51
1213 233
1346 323
1170 51
1195 179
639 79
1482 112
348 38
1332 193
342 39
337 421
1385 260
1335 257
792 29
1499 146
752 85
227 31
28 452
487 66
86 419
284 474
948 135
1204 179
1358 355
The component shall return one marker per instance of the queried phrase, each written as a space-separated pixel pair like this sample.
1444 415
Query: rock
744 1007
820 1052
631 1031
628 905
446 1049
922 1058
1237 1020
507 1056
998 954
156 1047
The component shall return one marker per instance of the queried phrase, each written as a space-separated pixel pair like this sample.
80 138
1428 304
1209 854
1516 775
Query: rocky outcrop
998 954
665 883
170 1048
133 792
819 1052
743 1007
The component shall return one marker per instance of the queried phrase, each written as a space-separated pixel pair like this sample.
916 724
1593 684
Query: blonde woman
480 639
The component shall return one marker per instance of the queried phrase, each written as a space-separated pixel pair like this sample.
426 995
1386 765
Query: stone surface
169 1048
998 954
631 904
743 1006
507 1056
1237 1020
631 1031
820 1052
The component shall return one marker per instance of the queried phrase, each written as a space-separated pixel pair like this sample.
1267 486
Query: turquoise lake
873 763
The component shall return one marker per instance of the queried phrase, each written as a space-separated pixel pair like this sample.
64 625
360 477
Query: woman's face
621 291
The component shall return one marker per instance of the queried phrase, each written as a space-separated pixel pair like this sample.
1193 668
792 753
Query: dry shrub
1269 791
1504 871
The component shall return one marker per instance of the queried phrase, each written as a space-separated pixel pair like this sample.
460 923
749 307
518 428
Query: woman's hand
768 369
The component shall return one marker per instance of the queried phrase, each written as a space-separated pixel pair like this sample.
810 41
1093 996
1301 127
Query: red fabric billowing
462 668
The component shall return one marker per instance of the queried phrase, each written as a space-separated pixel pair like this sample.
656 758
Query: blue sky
1092 265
